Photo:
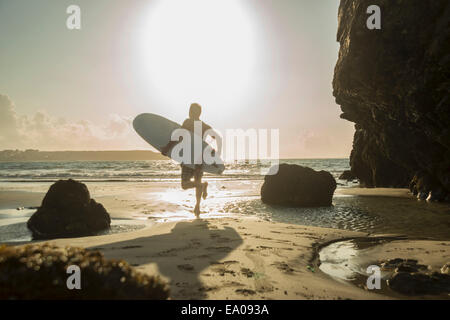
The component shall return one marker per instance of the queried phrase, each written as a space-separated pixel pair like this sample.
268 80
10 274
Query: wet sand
349 260
375 192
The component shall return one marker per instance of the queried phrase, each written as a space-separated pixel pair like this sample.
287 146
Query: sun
198 50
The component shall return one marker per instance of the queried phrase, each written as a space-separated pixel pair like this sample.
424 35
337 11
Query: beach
244 258
230 258
240 248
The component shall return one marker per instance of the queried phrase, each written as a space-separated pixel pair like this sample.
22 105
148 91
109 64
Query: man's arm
207 129
172 143
167 147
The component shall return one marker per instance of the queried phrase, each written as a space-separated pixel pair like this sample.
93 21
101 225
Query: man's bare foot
197 211
204 190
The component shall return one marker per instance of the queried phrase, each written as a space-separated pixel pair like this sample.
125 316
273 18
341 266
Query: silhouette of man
187 173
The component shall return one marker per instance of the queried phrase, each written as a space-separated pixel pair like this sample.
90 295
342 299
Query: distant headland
36 155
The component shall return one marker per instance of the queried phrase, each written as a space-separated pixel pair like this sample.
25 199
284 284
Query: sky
260 64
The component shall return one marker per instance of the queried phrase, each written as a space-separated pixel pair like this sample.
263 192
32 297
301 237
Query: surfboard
157 131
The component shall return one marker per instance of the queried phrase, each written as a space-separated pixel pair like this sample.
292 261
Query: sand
224 256
246 258
228 258
376 192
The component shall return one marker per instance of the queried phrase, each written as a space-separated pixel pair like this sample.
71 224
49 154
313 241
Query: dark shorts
187 174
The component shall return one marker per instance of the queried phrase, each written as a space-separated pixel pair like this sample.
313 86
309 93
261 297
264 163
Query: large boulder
67 210
298 186
394 85
40 272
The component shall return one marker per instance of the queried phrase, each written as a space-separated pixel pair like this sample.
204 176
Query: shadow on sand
182 254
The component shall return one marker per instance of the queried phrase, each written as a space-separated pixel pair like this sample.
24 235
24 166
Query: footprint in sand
247 272
222 267
207 288
222 271
223 240
202 225
170 252
226 249
246 292
186 267
97 248
131 247
284 267
202 256
182 284
227 263
232 284
195 242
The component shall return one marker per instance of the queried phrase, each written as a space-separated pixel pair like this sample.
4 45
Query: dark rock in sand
40 272
420 283
403 265
446 268
67 210
426 187
411 278
298 186
394 85
347 175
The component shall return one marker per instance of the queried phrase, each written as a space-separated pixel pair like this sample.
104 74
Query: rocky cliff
394 84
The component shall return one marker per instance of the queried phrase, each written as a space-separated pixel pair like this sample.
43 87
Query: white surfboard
157 131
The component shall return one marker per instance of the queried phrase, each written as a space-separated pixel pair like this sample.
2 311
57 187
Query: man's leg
198 196
186 175
200 189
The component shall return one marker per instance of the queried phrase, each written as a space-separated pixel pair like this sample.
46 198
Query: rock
67 210
446 268
391 263
347 175
426 187
40 272
403 265
420 283
298 186
411 278
406 268
393 84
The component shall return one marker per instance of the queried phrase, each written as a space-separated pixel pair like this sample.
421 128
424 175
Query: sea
145 171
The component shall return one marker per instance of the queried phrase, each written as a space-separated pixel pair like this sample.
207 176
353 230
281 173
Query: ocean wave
148 170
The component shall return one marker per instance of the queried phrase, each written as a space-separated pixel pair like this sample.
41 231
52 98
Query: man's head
194 111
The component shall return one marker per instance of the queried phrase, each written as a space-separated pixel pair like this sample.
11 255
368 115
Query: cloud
312 141
317 143
8 120
45 132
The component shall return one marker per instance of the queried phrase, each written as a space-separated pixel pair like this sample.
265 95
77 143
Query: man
188 173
